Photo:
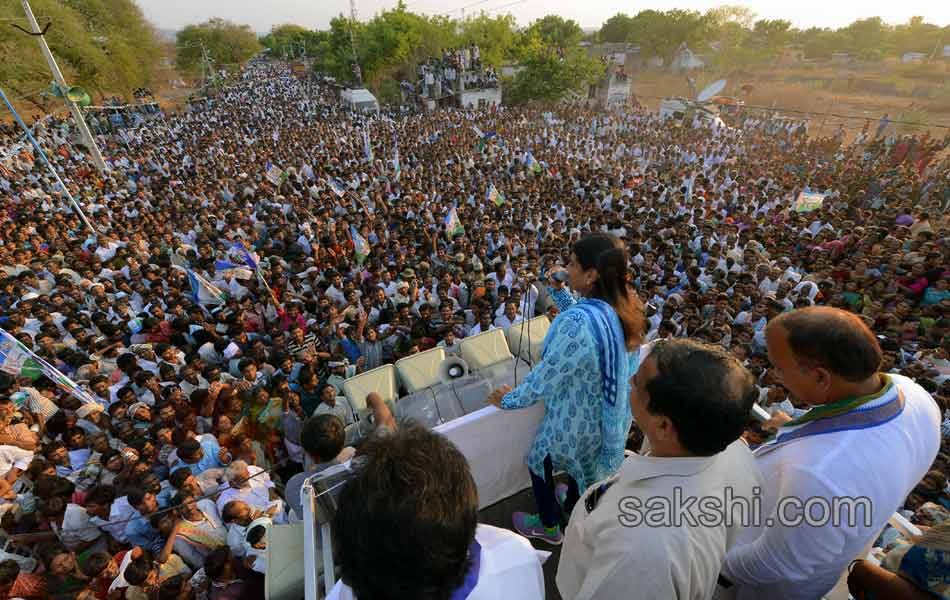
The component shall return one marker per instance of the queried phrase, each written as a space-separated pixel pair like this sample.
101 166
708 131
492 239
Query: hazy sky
262 14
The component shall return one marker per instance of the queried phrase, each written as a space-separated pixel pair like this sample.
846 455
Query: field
918 93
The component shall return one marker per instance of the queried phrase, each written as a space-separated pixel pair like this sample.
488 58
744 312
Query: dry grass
858 91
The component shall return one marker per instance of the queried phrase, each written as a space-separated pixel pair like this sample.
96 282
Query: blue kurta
570 381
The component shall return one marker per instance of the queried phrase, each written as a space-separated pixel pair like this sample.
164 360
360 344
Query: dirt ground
847 95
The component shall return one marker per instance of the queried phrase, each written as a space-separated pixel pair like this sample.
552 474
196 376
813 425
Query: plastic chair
526 339
419 371
381 380
485 349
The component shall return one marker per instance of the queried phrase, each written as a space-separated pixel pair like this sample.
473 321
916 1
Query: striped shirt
308 345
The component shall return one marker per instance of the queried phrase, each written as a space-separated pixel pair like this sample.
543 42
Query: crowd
438 75
159 482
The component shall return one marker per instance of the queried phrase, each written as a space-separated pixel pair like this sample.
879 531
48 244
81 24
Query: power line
506 5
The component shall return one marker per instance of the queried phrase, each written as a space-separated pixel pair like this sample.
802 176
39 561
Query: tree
730 25
867 37
228 44
291 41
555 31
661 33
771 34
617 28
497 37
549 75
104 46
731 13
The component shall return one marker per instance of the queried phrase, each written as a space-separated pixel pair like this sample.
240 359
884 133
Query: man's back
678 556
507 567
876 466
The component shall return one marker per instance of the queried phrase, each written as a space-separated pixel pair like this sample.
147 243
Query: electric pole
357 72
61 82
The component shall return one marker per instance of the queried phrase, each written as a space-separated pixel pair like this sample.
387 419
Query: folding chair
420 371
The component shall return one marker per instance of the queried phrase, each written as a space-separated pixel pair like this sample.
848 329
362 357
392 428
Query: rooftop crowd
201 405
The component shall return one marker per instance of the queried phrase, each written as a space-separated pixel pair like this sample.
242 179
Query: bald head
831 339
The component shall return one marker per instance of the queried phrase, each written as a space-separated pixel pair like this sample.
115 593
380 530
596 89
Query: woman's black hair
605 253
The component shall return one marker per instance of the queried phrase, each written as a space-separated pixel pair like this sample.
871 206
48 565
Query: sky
316 14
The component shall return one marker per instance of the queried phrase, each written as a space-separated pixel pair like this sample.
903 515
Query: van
360 100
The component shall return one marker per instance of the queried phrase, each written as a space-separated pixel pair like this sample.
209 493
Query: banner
360 245
808 201
16 360
275 175
453 226
14 355
367 146
336 184
531 163
494 196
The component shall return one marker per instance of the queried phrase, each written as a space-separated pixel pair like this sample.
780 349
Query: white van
360 100
673 108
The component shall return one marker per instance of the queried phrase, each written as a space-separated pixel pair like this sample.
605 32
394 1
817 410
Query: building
457 79
909 58
620 61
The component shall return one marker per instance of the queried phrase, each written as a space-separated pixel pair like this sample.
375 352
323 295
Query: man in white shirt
865 444
509 317
692 402
252 485
416 482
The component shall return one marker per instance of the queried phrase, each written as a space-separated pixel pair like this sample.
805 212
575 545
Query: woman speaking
583 379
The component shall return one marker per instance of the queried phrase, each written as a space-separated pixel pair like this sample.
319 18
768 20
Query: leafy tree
291 41
555 31
867 37
771 34
549 75
227 44
497 37
731 13
661 33
617 28
731 26
104 46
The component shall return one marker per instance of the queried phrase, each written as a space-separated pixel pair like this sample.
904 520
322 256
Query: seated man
692 402
415 481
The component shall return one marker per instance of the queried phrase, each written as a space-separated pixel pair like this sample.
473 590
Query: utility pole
61 82
356 64
206 66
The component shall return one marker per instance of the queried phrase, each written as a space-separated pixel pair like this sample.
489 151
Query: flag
275 175
453 226
337 185
13 354
15 359
250 259
226 267
531 163
367 146
360 245
202 290
494 196
483 137
397 169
